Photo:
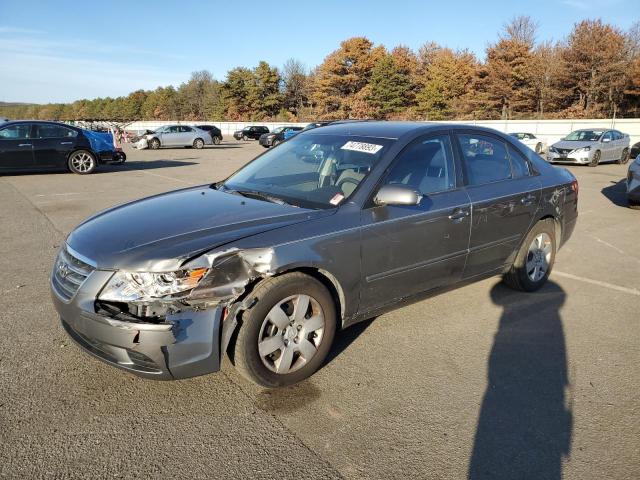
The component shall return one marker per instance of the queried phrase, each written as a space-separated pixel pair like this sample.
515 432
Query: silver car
590 147
178 136
633 184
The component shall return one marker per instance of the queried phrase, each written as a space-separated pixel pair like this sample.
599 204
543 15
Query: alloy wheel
82 162
291 333
539 257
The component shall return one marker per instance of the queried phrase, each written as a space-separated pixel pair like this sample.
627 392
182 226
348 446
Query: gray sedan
178 136
590 147
335 226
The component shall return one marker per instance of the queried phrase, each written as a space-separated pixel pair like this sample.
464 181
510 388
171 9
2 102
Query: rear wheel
154 144
287 333
216 140
625 157
539 148
245 138
198 143
82 162
596 159
534 261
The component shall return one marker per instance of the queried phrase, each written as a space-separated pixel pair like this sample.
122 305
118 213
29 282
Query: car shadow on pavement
617 193
525 424
346 337
145 165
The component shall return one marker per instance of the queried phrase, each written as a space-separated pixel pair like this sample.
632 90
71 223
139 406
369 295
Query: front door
411 249
16 147
504 192
171 136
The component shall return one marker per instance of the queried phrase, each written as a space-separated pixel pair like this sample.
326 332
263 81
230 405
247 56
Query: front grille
564 151
69 273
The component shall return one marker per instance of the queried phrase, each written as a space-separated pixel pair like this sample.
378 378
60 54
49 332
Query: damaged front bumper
181 345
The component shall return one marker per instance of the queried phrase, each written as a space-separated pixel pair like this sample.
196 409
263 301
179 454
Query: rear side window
54 131
22 130
426 166
186 129
485 159
519 164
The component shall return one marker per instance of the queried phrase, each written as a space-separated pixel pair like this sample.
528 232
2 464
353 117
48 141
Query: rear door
186 136
411 249
52 144
504 196
16 147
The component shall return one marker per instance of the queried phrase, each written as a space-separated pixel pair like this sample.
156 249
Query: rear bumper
183 345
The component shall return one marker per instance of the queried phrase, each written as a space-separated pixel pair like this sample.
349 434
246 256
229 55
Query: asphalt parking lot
481 381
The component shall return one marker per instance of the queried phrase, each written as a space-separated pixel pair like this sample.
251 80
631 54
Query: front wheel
625 157
275 143
82 162
534 261
287 333
154 144
596 159
245 138
539 148
198 143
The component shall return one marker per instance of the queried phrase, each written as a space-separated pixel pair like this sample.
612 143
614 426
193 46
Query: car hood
572 145
159 233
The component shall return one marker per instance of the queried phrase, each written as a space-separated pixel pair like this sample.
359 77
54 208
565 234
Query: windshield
310 170
584 135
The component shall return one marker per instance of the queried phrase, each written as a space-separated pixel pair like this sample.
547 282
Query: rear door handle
527 199
458 215
24 144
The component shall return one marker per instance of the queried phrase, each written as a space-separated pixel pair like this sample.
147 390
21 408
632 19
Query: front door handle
66 143
24 144
458 215
527 200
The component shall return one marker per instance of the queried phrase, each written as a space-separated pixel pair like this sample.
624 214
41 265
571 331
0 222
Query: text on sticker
361 147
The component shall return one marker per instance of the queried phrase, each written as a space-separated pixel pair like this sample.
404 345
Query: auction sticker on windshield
361 147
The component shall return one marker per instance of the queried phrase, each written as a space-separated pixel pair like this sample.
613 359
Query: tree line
593 73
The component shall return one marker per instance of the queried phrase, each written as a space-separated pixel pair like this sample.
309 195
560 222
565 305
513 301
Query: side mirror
397 195
606 140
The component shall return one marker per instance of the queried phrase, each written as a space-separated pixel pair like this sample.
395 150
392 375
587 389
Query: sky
64 50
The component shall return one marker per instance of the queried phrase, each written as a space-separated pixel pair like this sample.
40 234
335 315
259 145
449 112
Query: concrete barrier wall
549 130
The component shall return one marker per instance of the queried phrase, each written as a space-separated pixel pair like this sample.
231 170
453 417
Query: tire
532 265
257 325
634 205
625 157
245 138
154 144
198 143
539 148
82 162
216 140
596 159
275 143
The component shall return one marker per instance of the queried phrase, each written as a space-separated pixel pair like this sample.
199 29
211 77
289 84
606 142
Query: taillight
574 187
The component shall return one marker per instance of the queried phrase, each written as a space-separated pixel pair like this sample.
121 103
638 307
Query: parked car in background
37 145
250 133
178 136
291 132
278 135
530 140
590 147
331 228
633 184
313 125
215 132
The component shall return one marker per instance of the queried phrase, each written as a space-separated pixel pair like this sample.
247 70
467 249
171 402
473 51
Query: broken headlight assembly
127 286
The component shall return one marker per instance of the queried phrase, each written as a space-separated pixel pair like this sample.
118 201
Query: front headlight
582 149
127 286
553 149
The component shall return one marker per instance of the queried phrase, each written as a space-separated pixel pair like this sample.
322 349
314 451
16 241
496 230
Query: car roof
389 129
47 122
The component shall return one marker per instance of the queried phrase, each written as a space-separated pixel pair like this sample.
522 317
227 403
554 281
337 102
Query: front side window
485 159
311 171
426 166
14 132
54 131
174 129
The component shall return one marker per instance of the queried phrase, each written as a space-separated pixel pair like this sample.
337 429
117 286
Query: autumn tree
237 92
342 76
264 97
295 86
594 66
390 88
